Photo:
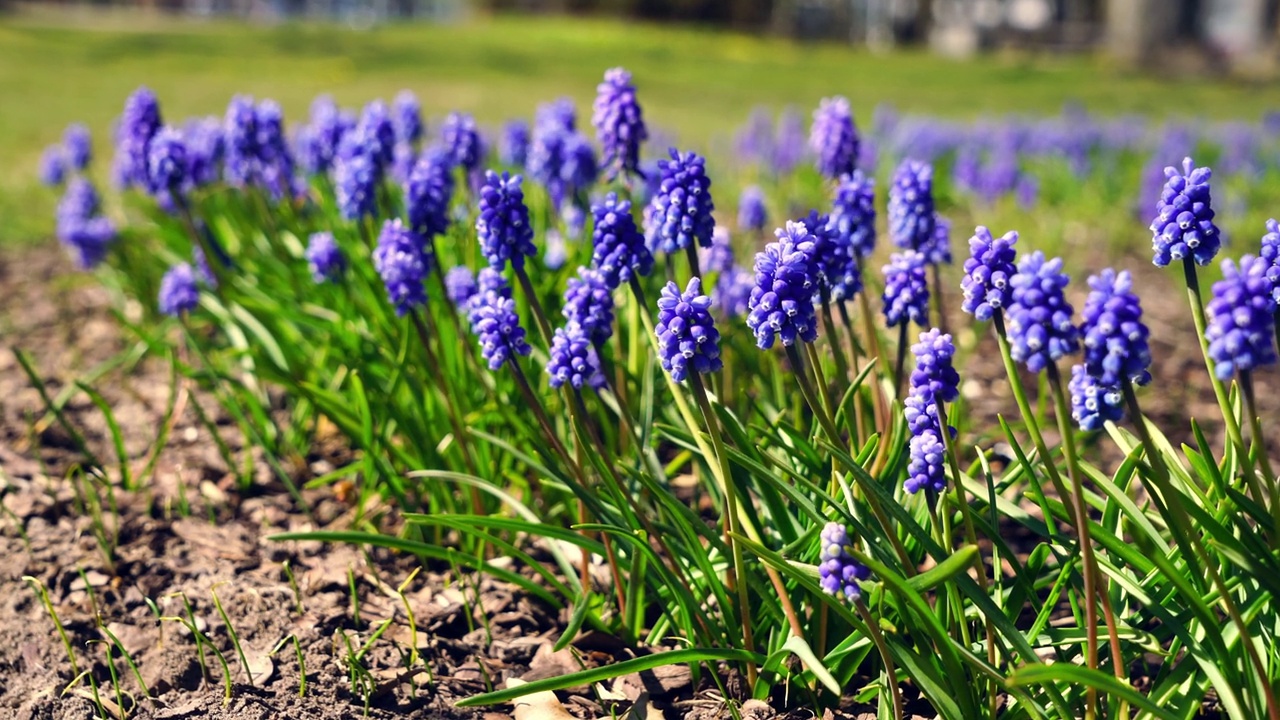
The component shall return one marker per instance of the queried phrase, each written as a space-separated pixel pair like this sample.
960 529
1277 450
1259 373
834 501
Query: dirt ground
472 633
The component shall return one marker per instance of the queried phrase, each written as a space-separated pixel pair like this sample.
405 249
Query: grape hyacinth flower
205 150
556 252
503 225
53 166
78 146
513 146
1241 331
937 251
86 234
987 273
379 133
138 124
911 214
1040 328
619 251
355 178
781 303
1093 403
179 293
559 113
752 214
462 140
619 123
588 303
838 274
572 359
496 325
427 194
838 572
240 138
166 161
406 118
273 162
574 218
933 381
680 212
687 335
324 257
460 285
853 214
935 373
1115 338
925 471
317 143
732 292
1270 255
754 140
789 145
403 265
718 257
1183 226
834 137
906 290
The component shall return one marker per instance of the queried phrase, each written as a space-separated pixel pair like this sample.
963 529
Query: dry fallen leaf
538 706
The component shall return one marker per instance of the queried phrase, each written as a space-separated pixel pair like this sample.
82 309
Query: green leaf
1069 674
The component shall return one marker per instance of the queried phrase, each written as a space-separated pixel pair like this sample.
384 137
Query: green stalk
1219 390
891 675
535 305
1255 429
692 253
435 370
739 578
842 367
939 304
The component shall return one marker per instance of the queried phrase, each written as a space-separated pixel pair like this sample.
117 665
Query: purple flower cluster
513 145
427 194
462 141
718 256
839 276
732 292
572 359
906 289
378 132
1092 403
495 323
588 303
838 572
256 152
619 251
1183 226
834 137
853 214
1241 330
987 273
205 151
781 303
400 261
619 123
138 124
179 293
78 146
1270 255
460 285
316 143
934 380
687 336
1040 328
911 213
752 214
1115 338
355 177
53 166
561 159
679 214
503 225
85 233
166 161
406 118
324 257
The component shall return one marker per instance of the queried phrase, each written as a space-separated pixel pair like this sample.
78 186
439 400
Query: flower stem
900 367
738 578
891 675
937 293
842 367
435 370
535 305
691 251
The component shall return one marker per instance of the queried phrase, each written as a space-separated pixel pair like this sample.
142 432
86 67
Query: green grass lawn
698 83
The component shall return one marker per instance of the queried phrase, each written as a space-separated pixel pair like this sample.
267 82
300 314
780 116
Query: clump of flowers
619 251
853 214
496 325
1241 331
987 273
781 303
179 293
572 359
679 214
406 117
1040 328
833 138
166 161
53 166
1093 403
588 303
933 381
718 256
80 227
503 225
379 133
138 124
427 194
1115 338
460 285
513 145
752 213
400 261
355 176
1270 256
324 257
838 273
1183 226
911 213
619 123
732 292
838 572
316 144
77 144
687 337
462 141
906 289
